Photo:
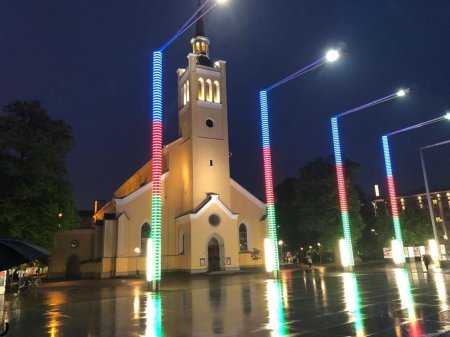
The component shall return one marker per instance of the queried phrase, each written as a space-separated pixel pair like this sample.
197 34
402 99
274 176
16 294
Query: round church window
214 220
209 123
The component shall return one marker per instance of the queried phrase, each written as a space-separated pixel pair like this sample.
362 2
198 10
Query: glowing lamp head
332 55
401 93
280 243
221 2
137 250
447 116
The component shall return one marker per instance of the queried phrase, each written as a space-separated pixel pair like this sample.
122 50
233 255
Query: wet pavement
375 301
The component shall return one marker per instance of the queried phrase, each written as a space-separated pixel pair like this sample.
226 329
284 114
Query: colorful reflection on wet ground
372 302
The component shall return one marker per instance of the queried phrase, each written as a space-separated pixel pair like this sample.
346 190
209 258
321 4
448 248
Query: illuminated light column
400 257
391 183
273 264
268 178
346 247
342 195
156 169
154 242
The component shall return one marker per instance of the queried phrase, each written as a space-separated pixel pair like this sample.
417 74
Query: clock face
74 243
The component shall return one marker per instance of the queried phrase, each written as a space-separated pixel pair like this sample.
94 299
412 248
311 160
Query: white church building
209 222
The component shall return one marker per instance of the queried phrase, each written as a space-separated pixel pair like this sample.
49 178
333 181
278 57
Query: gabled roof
211 199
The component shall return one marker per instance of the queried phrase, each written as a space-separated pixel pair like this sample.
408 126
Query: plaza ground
376 300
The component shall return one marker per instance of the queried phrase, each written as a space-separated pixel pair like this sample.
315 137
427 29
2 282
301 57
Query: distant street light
280 243
342 191
137 250
427 188
391 188
330 56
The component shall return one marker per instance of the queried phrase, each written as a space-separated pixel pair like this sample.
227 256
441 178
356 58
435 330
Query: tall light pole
346 246
398 253
154 241
271 250
427 188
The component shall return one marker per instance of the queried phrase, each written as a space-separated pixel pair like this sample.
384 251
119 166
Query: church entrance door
213 255
73 267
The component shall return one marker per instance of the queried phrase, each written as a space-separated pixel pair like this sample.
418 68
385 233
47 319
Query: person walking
309 259
426 260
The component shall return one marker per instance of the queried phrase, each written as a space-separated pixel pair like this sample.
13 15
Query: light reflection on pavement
375 301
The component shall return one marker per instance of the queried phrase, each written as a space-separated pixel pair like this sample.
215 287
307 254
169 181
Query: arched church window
197 47
243 245
187 91
181 243
184 94
216 92
209 96
201 89
145 234
203 47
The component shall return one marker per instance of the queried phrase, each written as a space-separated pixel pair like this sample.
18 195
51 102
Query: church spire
200 43
199 27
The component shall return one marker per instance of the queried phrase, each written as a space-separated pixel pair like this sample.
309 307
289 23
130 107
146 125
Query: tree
378 231
416 226
256 254
37 199
308 206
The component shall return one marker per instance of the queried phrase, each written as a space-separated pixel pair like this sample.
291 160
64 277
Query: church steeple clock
203 122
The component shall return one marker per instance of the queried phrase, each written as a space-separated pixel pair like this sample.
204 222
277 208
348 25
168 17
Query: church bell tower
203 122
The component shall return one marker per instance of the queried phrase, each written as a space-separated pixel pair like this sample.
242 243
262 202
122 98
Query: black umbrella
15 252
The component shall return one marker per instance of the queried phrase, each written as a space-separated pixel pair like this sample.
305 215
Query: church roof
212 198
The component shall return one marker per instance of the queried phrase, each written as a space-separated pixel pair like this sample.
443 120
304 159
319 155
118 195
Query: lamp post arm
368 105
433 145
298 73
198 18
188 24
430 204
416 126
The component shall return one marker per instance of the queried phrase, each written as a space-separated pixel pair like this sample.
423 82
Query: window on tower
216 92
201 89
209 96
187 91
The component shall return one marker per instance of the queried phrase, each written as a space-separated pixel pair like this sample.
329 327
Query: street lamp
154 242
280 243
347 259
427 188
330 56
398 254
320 258
137 250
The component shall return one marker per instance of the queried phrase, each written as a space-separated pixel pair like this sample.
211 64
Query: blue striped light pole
271 244
346 247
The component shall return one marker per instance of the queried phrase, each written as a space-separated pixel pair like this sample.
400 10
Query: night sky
89 63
